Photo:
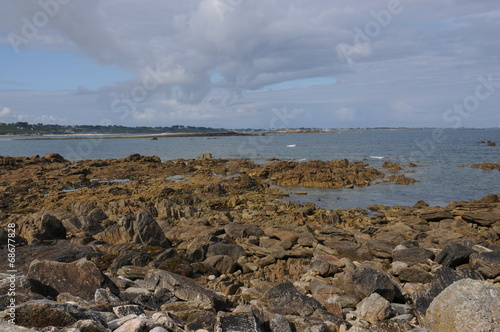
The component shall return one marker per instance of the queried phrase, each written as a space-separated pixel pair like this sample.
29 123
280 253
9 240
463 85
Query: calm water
437 154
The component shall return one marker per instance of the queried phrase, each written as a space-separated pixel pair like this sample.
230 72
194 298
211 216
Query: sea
442 157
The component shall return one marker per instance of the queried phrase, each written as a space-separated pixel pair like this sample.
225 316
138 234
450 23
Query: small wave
291 145
376 157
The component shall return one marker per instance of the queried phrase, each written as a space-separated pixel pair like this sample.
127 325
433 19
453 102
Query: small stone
374 309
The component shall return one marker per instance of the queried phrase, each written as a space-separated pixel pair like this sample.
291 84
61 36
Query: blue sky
234 64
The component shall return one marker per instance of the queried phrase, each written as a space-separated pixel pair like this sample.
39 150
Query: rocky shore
137 244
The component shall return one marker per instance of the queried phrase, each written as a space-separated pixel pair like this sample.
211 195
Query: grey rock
466 305
6 327
127 310
232 322
103 296
285 298
139 324
454 254
183 288
414 274
116 323
278 323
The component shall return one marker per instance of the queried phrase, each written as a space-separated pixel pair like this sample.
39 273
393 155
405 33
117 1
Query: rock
127 310
116 323
103 296
278 323
81 278
443 278
237 231
374 309
453 255
205 156
414 274
233 250
412 256
482 218
285 298
139 324
435 214
381 249
7 327
142 229
368 280
168 320
88 325
42 228
130 258
487 263
58 250
183 288
232 322
222 263
54 158
47 313
466 305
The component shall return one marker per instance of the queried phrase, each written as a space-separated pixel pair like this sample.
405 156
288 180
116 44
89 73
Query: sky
251 63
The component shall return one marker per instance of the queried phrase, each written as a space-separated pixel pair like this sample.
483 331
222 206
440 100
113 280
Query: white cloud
345 114
5 112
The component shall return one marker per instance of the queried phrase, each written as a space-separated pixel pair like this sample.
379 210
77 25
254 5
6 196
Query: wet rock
368 280
412 256
227 322
486 263
374 309
466 305
40 228
81 278
285 298
454 254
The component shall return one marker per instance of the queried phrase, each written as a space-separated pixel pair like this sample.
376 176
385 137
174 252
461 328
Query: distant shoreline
109 136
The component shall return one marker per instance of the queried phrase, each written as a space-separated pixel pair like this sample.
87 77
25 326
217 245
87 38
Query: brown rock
40 228
81 278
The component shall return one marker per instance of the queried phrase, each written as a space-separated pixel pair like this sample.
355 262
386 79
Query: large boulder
184 289
42 227
466 305
285 298
142 229
238 322
81 278
454 254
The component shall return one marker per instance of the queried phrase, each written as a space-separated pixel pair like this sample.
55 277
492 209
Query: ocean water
437 154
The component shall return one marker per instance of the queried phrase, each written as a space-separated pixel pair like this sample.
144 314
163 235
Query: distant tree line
24 128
